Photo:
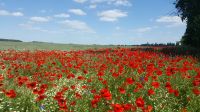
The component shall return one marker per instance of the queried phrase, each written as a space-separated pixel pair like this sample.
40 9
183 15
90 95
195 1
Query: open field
47 46
104 80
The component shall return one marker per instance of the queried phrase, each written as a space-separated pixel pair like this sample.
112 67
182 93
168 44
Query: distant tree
170 44
189 11
10 40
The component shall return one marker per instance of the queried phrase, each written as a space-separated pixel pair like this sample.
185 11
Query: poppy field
103 80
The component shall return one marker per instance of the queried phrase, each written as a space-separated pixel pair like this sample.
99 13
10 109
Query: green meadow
48 46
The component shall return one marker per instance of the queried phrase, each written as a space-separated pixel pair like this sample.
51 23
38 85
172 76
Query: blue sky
91 21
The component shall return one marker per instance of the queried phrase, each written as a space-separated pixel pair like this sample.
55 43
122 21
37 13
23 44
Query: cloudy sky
91 21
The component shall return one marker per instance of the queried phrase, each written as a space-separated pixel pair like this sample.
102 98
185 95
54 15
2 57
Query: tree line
11 40
189 11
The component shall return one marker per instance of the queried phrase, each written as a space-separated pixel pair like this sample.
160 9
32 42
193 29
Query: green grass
47 46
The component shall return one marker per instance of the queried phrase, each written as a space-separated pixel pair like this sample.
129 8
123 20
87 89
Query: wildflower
122 90
151 92
129 80
196 91
155 84
127 106
94 103
140 102
149 108
115 75
11 94
42 107
31 85
41 97
118 108
168 85
106 94
176 93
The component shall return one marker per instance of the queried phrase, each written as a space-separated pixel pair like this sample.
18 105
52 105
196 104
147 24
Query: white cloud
93 6
171 21
7 13
40 19
80 1
62 15
77 12
17 14
111 15
30 27
78 26
113 2
142 30
4 13
120 2
98 1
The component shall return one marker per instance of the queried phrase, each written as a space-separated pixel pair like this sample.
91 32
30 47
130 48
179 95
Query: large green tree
189 11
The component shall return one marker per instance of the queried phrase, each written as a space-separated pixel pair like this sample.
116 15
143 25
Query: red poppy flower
196 82
44 86
100 74
171 91
151 92
129 80
176 93
149 108
196 91
77 95
85 71
106 94
127 106
159 72
41 97
58 96
84 87
62 104
104 82
93 91
140 102
41 92
73 87
31 85
94 103
155 84
118 108
35 91
80 78
100 79
11 94
73 103
70 76
97 96
20 83
168 85
89 80
59 76
115 75
122 90
1 78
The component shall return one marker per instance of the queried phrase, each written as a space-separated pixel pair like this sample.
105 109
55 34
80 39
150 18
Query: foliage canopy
189 11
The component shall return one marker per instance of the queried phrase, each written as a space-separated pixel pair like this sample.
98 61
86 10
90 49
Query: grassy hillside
46 46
